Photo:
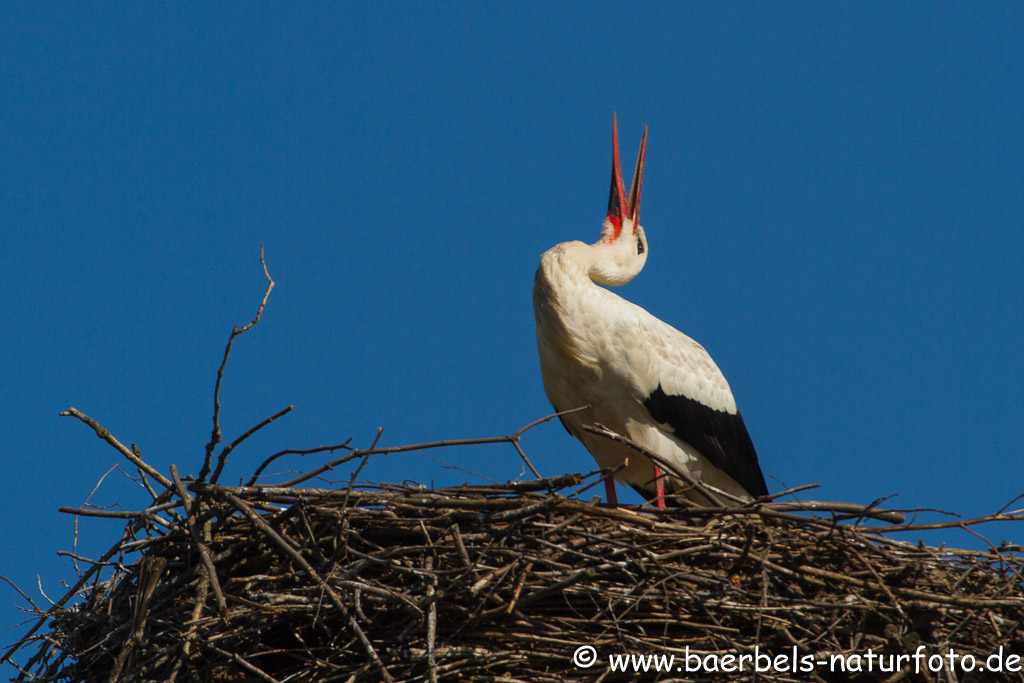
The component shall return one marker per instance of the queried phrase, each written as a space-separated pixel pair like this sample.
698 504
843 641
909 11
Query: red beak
617 205
638 181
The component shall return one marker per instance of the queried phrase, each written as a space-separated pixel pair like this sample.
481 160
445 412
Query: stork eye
639 247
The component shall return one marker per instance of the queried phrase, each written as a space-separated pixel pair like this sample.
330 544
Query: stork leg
659 488
609 490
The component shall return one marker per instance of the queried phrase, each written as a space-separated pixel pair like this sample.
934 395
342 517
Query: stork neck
568 264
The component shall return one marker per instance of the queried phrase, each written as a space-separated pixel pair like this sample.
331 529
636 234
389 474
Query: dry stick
512 438
120 447
298 451
524 511
702 488
142 475
87 560
450 466
460 546
291 552
959 524
120 514
558 586
352 479
431 619
518 589
521 431
522 454
560 481
1011 502
770 510
202 589
215 437
841 511
789 492
158 499
223 457
21 592
149 579
245 664
192 512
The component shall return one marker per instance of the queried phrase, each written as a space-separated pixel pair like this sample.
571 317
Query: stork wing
682 388
719 436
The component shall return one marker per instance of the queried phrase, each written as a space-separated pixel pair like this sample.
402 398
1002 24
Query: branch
222 458
511 438
146 514
295 451
120 447
789 492
958 524
204 552
215 437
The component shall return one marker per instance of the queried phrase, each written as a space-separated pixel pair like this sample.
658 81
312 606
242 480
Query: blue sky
833 198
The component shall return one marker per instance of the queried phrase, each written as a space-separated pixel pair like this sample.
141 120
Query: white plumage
641 377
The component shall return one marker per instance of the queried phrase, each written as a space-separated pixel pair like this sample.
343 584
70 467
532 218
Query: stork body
641 377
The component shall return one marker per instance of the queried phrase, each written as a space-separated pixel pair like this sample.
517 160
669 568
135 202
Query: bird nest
527 581
512 582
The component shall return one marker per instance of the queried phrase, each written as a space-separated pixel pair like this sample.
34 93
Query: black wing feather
719 436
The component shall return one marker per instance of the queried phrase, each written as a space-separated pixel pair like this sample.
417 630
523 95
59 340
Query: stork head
622 249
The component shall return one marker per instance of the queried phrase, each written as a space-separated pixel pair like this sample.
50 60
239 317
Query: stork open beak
617 204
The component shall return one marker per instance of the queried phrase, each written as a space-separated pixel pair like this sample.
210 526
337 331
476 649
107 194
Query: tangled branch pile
505 582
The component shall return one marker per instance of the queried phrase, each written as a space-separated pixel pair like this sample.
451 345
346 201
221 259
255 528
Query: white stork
639 376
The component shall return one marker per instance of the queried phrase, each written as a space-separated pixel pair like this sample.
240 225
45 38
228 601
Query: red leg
659 488
609 490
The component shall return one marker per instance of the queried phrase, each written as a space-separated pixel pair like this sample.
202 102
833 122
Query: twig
87 560
840 511
450 443
202 590
215 436
74 543
142 475
549 483
148 513
958 524
522 430
431 620
355 474
21 593
149 579
790 491
192 512
245 664
296 451
547 418
120 447
222 458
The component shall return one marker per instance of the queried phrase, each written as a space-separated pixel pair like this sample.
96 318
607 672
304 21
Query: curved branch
215 437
